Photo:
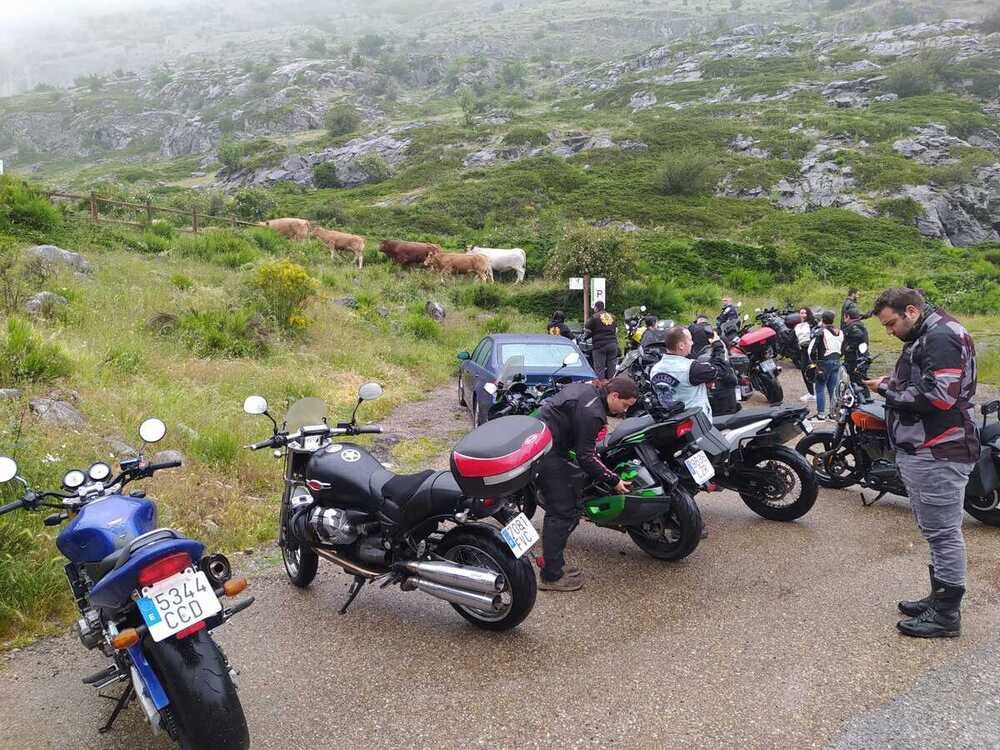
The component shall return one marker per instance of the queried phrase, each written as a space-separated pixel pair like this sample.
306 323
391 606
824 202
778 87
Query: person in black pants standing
603 330
575 416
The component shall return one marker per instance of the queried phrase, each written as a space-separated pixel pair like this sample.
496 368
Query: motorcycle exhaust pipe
456 596
458 576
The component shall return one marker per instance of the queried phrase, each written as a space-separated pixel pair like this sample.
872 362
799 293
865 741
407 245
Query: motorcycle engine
90 629
370 549
329 525
876 446
885 476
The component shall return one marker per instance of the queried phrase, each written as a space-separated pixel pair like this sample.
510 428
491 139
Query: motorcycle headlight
73 479
99 471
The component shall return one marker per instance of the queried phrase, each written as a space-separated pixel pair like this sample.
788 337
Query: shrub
253 204
266 239
224 248
25 358
260 152
660 298
325 175
600 252
182 282
747 280
282 290
487 297
155 243
375 166
219 447
162 229
421 327
689 172
234 333
496 324
911 79
123 360
21 207
341 119
904 210
526 135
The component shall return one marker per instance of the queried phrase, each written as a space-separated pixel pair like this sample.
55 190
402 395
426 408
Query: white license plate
519 534
700 467
768 365
178 602
806 427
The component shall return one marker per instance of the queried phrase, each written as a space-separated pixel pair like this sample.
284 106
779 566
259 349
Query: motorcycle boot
916 606
941 619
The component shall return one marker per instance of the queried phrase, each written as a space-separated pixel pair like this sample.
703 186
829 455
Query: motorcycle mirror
152 430
746 316
863 348
369 392
757 310
740 303
571 359
642 308
8 469
255 405
490 388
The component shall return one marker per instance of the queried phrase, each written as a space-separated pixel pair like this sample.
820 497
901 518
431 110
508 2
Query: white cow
502 259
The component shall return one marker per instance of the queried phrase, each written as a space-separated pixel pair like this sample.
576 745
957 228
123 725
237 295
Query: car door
481 368
471 371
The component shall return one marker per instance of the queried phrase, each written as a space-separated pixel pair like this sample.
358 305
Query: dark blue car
542 356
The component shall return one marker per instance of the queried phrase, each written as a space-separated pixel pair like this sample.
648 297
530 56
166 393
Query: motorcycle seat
410 498
749 416
627 427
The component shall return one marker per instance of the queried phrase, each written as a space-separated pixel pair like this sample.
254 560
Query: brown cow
293 229
461 263
408 253
342 241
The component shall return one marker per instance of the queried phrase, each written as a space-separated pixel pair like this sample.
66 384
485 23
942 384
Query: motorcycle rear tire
684 518
802 470
519 574
989 517
205 709
824 440
771 389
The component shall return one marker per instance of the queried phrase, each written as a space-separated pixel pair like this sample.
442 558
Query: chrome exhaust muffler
451 594
465 577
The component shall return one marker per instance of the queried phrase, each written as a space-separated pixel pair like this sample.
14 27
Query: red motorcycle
752 353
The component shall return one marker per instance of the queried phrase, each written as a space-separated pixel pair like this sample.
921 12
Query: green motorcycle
659 513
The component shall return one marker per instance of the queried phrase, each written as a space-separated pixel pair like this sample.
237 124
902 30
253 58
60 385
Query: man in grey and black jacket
932 425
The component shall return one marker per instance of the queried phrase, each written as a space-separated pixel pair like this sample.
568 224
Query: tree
467 101
341 119
604 252
253 204
512 73
325 175
371 44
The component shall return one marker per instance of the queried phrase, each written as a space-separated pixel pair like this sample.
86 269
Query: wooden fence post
586 298
149 212
232 220
194 219
93 206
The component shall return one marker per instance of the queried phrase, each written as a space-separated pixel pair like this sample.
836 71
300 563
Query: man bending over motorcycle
575 416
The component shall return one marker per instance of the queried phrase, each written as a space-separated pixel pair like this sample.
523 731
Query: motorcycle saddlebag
500 457
983 480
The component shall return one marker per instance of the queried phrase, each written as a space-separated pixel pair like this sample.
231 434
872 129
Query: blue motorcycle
148 599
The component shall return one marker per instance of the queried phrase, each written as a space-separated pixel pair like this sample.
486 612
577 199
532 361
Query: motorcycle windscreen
305 411
513 367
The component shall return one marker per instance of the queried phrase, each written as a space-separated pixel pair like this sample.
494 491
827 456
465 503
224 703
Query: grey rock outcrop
43 302
57 411
435 311
56 256
9 394
642 100
166 456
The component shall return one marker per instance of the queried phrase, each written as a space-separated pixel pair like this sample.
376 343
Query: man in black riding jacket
724 322
850 307
576 416
701 334
855 334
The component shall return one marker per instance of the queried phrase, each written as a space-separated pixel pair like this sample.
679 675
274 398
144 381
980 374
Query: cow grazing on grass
502 259
293 229
460 263
408 253
343 242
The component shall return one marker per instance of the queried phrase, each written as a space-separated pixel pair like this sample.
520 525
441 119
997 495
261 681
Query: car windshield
542 356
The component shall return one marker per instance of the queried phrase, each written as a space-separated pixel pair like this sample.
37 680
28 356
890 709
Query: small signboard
576 282
597 291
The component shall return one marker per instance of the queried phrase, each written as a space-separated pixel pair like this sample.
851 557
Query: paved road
768 636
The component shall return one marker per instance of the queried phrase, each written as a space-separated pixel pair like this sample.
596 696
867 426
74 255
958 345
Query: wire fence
98 206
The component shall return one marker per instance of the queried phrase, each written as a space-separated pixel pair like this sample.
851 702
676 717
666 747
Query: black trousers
606 361
559 482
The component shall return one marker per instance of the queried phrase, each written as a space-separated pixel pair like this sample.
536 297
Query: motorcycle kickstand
359 582
869 504
122 701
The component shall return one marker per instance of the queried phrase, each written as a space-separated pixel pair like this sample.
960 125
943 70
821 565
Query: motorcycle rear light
164 568
489 502
711 487
684 428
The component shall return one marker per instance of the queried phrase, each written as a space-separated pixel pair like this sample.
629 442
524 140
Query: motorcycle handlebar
372 430
263 444
165 465
11 506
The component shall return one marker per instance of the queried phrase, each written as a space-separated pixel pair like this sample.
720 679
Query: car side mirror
464 356
571 359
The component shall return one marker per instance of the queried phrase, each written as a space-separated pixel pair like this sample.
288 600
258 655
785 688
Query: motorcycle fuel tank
340 474
104 526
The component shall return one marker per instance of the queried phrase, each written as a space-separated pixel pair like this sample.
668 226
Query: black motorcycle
341 504
858 451
148 599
